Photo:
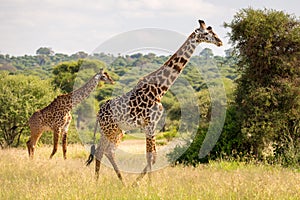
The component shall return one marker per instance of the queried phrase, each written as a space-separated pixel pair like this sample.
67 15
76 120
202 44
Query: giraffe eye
205 33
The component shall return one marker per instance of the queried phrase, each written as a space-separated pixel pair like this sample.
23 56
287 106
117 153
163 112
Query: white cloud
72 25
154 8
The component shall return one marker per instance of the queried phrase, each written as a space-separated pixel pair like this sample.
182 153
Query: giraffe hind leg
35 134
36 131
111 158
99 155
30 149
151 158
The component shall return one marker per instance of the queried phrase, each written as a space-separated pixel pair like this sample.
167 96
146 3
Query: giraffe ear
210 30
202 24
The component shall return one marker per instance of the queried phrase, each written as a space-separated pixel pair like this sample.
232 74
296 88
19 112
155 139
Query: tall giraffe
57 115
141 107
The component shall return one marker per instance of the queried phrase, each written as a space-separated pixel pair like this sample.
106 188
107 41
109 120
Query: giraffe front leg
151 149
151 158
64 145
55 142
151 154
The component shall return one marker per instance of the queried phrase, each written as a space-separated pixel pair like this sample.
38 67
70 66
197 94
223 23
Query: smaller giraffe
57 115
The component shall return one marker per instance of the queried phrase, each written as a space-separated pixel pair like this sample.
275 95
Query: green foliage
169 135
189 152
267 43
262 119
20 96
267 97
68 73
40 64
229 142
206 53
65 74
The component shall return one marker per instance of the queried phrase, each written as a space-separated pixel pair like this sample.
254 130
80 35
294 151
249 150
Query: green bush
188 154
20 97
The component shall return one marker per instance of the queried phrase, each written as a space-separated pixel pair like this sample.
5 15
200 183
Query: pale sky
69 26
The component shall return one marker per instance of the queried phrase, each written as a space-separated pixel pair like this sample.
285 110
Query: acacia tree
65 73
206 53
20 96
44 51
267 43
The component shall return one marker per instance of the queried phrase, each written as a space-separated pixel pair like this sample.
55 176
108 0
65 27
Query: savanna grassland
41 178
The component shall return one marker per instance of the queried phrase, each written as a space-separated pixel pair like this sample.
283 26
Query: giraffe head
207 35
103 76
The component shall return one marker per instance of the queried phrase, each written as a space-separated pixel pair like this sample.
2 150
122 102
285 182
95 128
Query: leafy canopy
20 97
267 43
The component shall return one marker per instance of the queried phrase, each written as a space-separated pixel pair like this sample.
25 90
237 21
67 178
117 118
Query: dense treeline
62 73
260 74
263 118
267 97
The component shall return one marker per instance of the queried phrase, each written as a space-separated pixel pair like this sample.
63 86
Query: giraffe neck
182 56
163 78
83 92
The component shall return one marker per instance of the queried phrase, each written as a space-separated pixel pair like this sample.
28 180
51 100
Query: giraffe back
56 113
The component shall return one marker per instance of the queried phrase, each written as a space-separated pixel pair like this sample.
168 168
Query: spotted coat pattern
57 115
141 107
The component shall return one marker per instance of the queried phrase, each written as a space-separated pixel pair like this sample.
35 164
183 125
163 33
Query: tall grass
41 178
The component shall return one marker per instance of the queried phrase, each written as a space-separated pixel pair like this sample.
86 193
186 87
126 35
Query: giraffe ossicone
141 107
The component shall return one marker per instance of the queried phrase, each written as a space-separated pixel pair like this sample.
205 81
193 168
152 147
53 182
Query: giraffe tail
91 157
93 148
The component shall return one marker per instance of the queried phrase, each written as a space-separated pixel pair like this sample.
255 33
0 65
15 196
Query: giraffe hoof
123 184
153 158
135 184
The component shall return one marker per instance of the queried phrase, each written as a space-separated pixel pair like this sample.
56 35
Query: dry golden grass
41 178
